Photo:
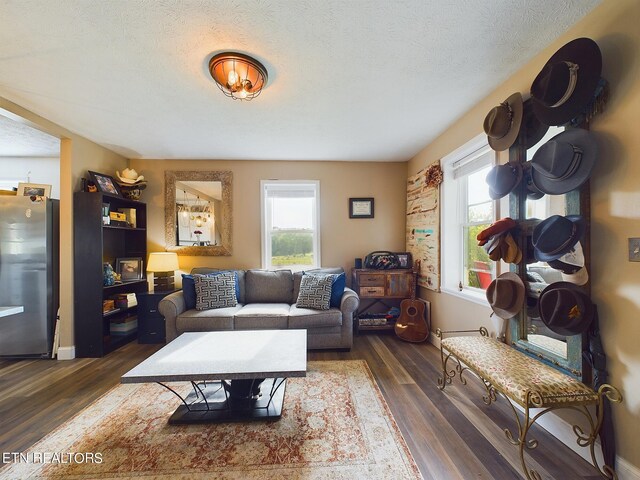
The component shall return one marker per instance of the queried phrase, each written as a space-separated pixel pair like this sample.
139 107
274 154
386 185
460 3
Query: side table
151 328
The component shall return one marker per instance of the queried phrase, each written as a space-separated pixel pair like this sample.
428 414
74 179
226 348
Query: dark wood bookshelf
94 245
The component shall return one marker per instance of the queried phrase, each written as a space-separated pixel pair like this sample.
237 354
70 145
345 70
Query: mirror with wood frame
528 332
198 210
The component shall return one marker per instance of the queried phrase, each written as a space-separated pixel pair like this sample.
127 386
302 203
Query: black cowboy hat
556 236
565 162
532 191
565 308
506 295
502 179
502 123
567 82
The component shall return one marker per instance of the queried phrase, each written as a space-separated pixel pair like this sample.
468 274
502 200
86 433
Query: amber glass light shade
238 76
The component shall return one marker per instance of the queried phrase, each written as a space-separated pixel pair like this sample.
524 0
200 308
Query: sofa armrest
349 303
170 307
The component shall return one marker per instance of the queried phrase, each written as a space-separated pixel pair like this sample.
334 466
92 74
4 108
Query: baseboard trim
626 471
67 353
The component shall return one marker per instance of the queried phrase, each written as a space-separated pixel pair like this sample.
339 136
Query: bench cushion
514 373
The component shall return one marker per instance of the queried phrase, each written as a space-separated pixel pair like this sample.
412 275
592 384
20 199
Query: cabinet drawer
372 291
149 310
373 280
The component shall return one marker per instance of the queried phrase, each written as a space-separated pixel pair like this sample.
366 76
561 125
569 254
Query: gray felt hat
565 162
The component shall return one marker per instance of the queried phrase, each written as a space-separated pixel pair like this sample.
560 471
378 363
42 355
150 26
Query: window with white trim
467 209
290 224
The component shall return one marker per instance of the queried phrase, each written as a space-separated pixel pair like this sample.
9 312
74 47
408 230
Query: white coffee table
217 363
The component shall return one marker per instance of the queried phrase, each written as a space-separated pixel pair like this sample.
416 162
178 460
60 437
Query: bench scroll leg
447 375
534 399
605 392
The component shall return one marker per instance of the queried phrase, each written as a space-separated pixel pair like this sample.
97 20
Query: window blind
473 162
292 190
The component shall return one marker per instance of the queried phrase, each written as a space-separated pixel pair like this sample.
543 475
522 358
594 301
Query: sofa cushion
315 292
297 277
218 291
263 286
206 320
309 318
262 315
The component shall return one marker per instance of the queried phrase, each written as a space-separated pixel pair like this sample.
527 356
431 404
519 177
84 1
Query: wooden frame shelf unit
94 245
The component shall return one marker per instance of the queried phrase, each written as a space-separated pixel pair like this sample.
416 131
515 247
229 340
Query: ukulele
412 323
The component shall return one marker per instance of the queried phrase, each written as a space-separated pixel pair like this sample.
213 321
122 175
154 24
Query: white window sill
475 297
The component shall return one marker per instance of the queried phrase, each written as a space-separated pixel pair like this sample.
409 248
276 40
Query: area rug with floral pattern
335 425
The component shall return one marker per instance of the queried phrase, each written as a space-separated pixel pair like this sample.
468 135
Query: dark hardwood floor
451 434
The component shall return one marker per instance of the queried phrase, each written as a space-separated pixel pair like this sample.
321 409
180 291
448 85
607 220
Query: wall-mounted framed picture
130 269
34 189
406 259
361 208
105 183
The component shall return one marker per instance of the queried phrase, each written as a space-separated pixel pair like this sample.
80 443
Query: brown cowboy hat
502 179
565 162
565 308
567 82
506 295
502 123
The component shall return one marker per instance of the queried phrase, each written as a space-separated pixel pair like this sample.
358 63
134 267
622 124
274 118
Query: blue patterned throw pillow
189 287
218 291
315 292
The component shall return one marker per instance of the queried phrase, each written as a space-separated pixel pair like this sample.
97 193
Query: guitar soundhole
411 311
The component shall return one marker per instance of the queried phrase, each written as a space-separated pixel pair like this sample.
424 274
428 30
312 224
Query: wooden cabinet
94 245
151 326
383 283
380 286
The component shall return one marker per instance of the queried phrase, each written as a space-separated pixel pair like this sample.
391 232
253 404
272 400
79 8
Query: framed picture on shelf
130 269
34 189
406 260
105 183
361 208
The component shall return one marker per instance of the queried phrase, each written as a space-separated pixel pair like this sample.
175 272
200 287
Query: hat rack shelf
576 202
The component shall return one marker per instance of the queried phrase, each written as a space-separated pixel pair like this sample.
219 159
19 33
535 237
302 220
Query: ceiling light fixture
239 76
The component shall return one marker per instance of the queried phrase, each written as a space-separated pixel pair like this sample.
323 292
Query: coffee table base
210 403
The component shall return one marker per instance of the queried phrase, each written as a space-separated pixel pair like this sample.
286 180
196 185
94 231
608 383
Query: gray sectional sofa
266 300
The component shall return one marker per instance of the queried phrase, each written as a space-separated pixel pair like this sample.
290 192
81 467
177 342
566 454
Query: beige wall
615 202
77 155
343 239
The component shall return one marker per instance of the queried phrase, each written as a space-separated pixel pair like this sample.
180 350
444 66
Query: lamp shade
163 262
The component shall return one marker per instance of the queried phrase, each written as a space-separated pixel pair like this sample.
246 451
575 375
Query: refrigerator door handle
6 311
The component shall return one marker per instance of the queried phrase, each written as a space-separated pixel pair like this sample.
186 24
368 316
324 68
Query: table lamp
163 265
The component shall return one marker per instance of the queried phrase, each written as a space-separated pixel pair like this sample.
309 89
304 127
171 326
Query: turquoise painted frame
577 203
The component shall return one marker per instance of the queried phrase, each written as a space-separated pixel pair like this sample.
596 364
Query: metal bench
526 382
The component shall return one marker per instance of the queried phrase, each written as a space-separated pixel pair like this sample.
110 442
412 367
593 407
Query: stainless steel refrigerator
29 278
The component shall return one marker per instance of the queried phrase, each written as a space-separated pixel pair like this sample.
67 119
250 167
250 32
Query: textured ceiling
20 140
348 80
